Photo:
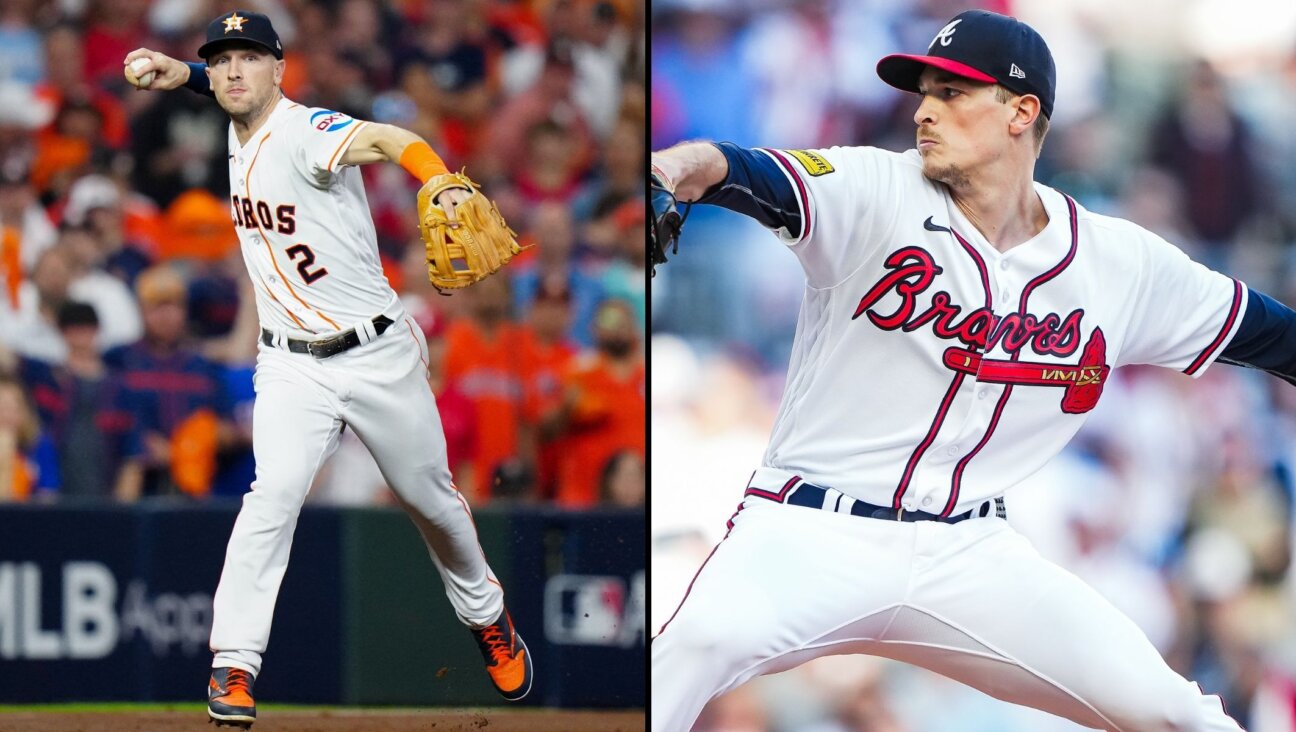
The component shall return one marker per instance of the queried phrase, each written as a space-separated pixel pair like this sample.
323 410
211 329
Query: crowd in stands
128 331
1176 500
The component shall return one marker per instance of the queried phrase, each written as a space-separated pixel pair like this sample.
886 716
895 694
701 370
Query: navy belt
798 493
325 347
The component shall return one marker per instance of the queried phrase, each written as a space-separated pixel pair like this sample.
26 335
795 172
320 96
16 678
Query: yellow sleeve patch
813 163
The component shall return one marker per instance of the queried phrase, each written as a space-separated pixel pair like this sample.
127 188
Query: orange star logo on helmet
234 23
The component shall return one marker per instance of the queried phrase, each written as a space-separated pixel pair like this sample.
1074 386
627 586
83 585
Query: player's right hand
171 74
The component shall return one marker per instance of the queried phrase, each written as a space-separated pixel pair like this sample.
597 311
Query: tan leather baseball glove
475 246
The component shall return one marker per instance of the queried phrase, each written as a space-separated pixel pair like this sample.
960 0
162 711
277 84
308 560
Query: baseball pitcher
959 323
337 350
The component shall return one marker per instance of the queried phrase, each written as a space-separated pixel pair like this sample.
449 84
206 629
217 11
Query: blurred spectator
30 329
119 224
1206 145
111 298
67 87
114 28
21 114
619 179
554 235
625 275
546 357
179 142
623 483
700 86
600 53
604 409
482 362
85 407
458 414
178 397
27 464
447 58
22 58
27 230
540 135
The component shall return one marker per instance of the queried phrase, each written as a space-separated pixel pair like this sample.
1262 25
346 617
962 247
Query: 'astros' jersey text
930 371
304 224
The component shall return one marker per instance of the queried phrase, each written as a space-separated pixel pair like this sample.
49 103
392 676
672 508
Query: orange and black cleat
229 698
507 660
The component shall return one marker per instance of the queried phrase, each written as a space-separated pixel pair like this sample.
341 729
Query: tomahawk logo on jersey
981 364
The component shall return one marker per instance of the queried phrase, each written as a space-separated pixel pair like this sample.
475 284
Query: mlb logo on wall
326 120
593 610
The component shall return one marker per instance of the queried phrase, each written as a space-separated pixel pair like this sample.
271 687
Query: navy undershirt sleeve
198 80
756 187
1266 338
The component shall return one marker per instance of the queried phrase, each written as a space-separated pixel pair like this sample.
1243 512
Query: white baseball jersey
930 371
310 248
303 220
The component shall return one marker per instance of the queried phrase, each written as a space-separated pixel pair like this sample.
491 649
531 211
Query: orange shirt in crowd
543 367
488 373
607 418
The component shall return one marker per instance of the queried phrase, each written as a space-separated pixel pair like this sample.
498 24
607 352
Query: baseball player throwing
959 323
337 351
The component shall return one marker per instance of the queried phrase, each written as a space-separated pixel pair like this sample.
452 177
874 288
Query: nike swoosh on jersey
928 225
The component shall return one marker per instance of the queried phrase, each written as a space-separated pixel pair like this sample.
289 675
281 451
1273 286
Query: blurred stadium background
128 339
1176 499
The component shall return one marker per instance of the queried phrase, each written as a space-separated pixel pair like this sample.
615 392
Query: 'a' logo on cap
946 35
1017 72
235 23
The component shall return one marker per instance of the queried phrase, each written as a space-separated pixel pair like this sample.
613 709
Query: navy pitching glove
664 223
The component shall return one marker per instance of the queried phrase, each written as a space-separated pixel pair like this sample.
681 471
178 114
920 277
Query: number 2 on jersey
303 267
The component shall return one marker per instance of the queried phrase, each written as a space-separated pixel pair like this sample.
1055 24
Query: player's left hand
449 199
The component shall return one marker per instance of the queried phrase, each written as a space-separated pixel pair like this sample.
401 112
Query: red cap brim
902 70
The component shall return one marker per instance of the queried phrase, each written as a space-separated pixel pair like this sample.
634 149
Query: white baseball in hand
132 72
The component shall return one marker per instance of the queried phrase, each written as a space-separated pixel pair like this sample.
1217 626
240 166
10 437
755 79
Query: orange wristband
421 162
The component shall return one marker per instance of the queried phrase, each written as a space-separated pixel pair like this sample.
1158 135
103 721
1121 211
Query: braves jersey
304 224
929 370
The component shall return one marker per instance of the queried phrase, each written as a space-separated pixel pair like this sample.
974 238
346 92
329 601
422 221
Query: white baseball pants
973 601
380 391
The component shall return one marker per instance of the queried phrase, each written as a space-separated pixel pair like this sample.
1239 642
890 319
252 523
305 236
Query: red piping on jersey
1219 339
779 497
956 483
730 525
247 190
949 394
805 196
931 435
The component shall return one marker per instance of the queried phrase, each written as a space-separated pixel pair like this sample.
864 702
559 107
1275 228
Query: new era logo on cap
991 48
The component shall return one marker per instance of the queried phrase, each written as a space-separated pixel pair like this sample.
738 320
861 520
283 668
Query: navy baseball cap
244 26
982 46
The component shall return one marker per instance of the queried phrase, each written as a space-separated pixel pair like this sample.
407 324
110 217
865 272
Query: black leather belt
798 493
325 347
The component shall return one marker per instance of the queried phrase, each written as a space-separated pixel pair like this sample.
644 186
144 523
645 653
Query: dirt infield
486 720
